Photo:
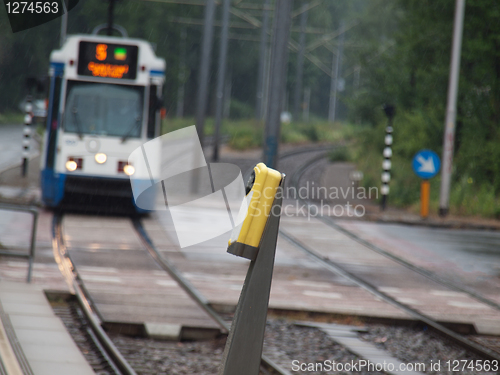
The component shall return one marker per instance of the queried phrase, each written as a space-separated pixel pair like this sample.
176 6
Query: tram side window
52 122
153 106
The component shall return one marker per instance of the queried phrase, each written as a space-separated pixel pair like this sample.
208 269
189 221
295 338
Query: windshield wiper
77 123
132 128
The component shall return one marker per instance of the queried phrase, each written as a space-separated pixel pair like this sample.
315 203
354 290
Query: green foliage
318 131
11 118
407 64
293 136
243 134
413 132
339 154
469 198
244 139
240 110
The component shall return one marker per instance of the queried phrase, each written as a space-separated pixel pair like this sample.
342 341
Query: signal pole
64 25
261 75
451 109
300 63
277 74
110 16
179 111
206 54
221 75
335 76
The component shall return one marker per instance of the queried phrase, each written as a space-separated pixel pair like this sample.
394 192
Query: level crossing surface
469 257
124 282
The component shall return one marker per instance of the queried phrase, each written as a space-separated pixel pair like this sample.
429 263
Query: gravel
73 319
154 357
419 345
284 344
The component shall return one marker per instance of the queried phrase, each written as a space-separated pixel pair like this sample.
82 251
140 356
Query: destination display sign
107 60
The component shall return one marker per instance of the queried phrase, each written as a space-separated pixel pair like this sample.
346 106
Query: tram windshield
103 109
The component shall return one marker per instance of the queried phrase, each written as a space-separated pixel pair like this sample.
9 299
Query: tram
104 102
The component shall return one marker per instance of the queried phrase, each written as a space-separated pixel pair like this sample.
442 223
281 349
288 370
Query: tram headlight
71 165
128 170
101 158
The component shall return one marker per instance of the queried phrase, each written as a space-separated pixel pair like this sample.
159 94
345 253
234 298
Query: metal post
261 75
425 192
267 71
451 107
27 134
179 112
300 62
357 77
31 255
64 24
110 16
279 57
205 60
227 95
221 75
307 101
32 245
243 351
386 164
336 67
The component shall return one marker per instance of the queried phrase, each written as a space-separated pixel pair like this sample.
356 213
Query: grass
11 118
249 133
339 154
467 198
365 149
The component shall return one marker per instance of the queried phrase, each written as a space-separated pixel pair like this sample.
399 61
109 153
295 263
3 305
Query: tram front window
103 109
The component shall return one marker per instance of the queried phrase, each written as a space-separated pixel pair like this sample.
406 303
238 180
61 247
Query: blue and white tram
104 103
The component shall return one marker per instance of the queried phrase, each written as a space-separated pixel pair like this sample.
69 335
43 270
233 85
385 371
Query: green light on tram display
120 53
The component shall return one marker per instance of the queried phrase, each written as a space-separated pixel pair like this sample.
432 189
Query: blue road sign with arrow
426 164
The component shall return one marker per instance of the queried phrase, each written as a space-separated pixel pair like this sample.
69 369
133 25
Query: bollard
386 164
27 134
243 351
425 190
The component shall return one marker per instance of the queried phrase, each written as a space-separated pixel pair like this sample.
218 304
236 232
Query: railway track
115 361
164 263
117 364
430 275
110 355
340 270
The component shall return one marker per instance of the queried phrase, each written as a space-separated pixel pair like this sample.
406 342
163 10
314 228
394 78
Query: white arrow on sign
426 165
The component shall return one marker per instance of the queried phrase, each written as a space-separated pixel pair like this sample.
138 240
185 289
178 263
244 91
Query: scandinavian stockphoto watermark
311 200
205 200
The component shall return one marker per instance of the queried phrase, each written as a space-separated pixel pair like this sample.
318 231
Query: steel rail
338 269
191 290
422 271
303 150
68 269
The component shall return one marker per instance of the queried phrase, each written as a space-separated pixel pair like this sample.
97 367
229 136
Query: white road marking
315 293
